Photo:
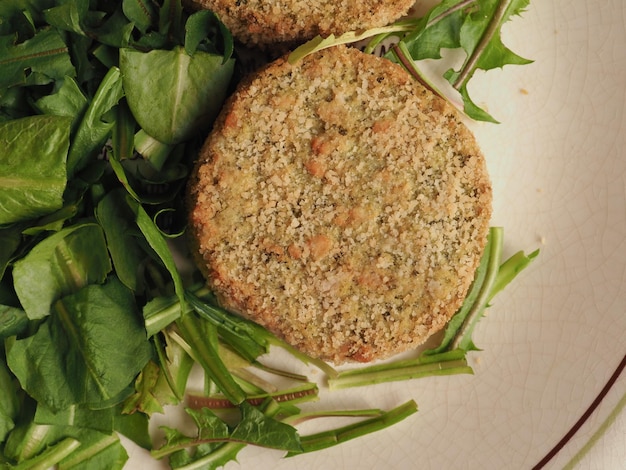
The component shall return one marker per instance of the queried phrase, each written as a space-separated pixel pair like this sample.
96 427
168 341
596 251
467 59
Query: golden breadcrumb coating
263 22
340 204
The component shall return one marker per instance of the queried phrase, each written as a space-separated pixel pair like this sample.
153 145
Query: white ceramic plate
554 338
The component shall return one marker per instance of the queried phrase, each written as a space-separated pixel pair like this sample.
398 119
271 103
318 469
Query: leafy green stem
403 56
215 459
248 335
496 240
208 357
319 43
436 365
280 372
306 392
511 268
323 440
301 417
161 354
488 34
50 457
449 11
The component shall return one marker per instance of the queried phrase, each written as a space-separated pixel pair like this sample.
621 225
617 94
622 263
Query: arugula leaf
510 269
333 437
319 43
163 384
249 339
9 404
173 95
68 381
111 28
96 126
75 357
29 439
36 61
255 427
145 398
12 321
286 398
160 312
463 336
33 176
10 241
475 27
203 29
445 363
95 429
134 426
153 390
137 175
19 19
155 240
259 429
51 456
97 451
59 265
117 221
210 432
485 274
203 341
14 104
69 100
36 446
68 16
76 415
116 30
143 14
152 150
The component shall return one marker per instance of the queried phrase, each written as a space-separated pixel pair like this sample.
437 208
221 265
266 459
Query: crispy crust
263 22
341 205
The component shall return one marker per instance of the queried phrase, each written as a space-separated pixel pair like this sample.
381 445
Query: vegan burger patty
341 205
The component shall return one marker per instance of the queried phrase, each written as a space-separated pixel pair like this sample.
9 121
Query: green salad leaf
168 93
76 356
96 125
13 321
256 427
10 241
142 13
33 157
42 446
68 100
97 451
153 390
77 415
59 265
9 404
51 456
36 61
204 31
82 250
122 238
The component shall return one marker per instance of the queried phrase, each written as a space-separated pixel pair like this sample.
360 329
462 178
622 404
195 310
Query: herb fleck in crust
341 205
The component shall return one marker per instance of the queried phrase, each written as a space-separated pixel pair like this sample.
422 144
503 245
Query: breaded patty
341 205
263 22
